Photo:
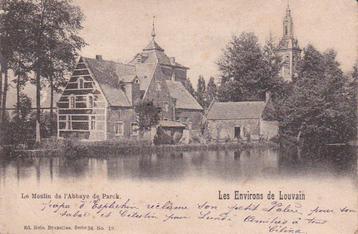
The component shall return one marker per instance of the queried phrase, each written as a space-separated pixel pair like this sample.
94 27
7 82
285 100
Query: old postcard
178 116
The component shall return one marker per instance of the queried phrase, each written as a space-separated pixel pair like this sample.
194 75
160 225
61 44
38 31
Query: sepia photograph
178 116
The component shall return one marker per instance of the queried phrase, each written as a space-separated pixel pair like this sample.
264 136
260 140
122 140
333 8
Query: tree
355 72
211 91
230 91
54 34
14 35
321 107
20 128
243 62
147 115
189 86
201 91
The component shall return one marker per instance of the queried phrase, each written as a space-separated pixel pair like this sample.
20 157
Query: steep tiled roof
153 45
184 100
236 110
153 53
115 96
108 74
145 73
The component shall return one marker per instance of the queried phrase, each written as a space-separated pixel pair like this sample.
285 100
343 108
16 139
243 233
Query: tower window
286 30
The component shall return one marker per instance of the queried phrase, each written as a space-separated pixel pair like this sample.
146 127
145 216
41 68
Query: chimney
99 57
172 60
267 96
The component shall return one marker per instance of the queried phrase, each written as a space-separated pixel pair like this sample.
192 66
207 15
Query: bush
74 149
161 138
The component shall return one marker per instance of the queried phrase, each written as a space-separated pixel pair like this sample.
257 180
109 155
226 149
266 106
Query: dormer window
81 83
136 81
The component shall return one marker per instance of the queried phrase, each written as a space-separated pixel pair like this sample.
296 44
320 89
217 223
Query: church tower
288 48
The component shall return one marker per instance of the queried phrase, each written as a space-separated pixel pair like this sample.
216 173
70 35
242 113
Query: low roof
184 100
236 110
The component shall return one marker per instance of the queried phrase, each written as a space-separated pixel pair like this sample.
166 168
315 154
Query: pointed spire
288 10
153 30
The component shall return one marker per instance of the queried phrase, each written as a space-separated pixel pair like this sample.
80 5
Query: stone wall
193 116
225 129
269 129
127 116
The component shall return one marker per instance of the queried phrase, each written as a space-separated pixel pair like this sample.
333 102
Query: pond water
227 165
328 180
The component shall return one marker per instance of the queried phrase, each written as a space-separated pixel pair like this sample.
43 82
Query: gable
96 83
81 74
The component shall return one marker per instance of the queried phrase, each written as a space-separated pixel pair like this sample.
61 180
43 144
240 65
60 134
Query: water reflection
225 165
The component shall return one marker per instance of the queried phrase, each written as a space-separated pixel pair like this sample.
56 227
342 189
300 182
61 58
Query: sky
196 32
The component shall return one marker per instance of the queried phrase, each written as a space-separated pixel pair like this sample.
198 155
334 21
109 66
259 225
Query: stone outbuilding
241 120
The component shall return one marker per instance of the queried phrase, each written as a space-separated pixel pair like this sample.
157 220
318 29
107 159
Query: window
136 81
93 122
72 102
119 128
134 129
166 106
69 122
80 83
90 101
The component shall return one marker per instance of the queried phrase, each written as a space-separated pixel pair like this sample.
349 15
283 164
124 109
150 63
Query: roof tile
236 110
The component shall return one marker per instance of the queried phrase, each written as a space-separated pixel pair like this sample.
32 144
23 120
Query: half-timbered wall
82 107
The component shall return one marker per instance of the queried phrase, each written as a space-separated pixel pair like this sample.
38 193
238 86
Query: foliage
20 129
355 72
189 86
201 91
39 36
25 108
321 107
211 91
147 115
161 138
249 70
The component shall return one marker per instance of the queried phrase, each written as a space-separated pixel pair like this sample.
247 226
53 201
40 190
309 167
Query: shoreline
108 149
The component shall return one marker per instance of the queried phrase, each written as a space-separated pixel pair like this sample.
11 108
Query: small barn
240 120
